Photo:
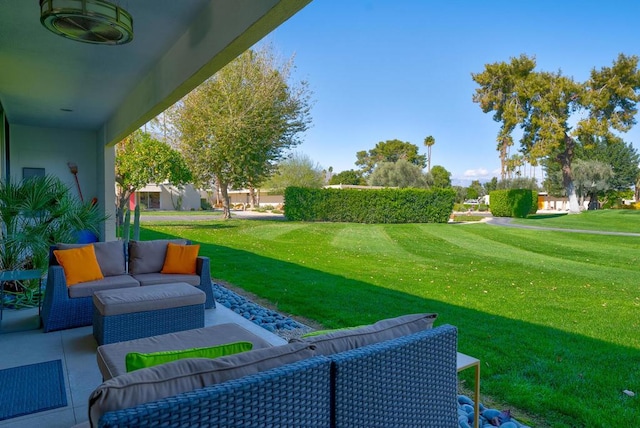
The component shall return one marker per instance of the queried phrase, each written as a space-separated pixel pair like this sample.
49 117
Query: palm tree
429 141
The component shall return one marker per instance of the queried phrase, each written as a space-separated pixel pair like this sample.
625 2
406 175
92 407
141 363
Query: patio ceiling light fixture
88 21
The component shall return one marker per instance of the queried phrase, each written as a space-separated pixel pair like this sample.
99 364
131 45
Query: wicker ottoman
132 313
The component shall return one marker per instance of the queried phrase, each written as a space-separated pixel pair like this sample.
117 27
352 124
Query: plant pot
86 237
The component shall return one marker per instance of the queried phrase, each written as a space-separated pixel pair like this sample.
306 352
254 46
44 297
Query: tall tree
141 160
461 193
441 178
398 174
350 176
545 105
622 157
591 177
517 183
389 151
514 166
297 170
327 174
238 124
429 142
490 185
476 190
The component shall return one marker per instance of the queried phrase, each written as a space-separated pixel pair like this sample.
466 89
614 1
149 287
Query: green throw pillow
136 360
321 332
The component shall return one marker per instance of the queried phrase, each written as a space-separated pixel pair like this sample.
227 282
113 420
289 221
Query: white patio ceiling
115 89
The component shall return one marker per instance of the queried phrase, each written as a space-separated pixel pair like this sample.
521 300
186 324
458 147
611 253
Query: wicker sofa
398 372
137 264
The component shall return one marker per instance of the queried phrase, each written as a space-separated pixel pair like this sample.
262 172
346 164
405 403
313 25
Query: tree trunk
504 154
593 201
565 159
253 197
224 189
121 203
119 216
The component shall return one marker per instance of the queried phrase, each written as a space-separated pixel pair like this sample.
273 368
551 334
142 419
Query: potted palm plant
37 213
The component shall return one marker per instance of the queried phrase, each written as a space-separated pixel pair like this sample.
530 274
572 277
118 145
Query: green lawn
553 316
607 220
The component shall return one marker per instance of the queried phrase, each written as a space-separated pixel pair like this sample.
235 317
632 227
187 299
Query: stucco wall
51 149
169 196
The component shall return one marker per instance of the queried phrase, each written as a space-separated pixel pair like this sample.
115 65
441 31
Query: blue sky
401 69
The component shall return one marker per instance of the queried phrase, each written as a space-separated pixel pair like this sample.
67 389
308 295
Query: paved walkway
506 221
251 215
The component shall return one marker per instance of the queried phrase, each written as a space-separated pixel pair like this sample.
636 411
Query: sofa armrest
56 280
55 291
203 270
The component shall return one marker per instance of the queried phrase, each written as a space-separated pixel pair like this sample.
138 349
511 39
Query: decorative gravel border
268 319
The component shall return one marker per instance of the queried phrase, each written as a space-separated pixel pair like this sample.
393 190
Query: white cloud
476 173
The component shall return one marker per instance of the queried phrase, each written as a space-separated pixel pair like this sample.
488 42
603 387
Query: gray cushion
86 289
165 278
142 299
339 341
148 256
167 380
111 357
110 256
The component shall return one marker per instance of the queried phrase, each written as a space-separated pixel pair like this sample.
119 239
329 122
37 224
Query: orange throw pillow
79 264
180 259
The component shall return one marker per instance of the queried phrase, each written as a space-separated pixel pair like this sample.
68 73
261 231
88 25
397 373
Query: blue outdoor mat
32 388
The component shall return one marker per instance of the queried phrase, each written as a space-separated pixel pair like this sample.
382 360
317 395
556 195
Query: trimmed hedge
512 203
369 205
534 202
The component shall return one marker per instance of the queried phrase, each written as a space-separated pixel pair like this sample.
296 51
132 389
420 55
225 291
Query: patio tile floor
77 350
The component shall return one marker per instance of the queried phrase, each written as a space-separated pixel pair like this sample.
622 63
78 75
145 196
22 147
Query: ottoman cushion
142 299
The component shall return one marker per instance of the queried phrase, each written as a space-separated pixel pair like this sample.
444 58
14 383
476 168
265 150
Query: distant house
353 186
242 196
552 203
169 197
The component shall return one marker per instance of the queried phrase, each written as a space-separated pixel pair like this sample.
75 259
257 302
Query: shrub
634 206
205 205
511 203
369 206
534 203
